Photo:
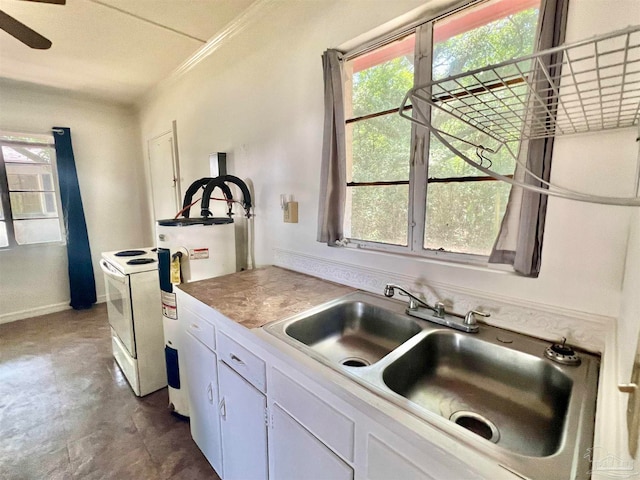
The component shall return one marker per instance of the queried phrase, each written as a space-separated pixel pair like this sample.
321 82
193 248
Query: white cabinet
384 462
386 454
296 454
244 430
202 387
249 396
316 409
227 400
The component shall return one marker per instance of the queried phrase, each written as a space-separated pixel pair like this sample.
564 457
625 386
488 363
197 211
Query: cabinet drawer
200 328
249 366
334 429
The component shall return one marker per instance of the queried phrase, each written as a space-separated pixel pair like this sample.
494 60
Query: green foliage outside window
460 217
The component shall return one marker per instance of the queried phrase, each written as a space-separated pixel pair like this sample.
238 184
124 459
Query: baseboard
42 310
583 329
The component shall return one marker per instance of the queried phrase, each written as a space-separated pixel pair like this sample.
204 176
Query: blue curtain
82 283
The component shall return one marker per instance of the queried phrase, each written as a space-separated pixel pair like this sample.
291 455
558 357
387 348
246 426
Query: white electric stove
135 315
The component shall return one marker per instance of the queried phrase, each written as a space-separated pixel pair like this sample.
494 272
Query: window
29 210
406 192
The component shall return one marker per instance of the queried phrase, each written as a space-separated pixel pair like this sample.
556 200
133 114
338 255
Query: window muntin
30 205
463 208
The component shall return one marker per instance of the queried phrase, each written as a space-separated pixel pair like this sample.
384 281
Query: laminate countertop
254 298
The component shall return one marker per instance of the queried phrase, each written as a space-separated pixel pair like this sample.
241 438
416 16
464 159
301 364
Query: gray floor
66 410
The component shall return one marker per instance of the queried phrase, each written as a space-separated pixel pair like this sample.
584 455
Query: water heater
189 249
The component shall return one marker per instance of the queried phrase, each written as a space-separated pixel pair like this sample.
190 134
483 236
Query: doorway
165 174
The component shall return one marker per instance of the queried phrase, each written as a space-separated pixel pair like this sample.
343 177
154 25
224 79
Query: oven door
119 305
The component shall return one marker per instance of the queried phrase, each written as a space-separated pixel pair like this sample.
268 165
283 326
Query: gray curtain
519 241
333 183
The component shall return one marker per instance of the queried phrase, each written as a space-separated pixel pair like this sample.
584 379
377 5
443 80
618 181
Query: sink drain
355 362
477 424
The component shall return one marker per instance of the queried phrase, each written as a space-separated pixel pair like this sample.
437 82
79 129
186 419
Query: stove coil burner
130 253
140 261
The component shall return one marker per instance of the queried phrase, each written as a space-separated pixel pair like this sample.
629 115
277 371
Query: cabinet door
202 388
244 430
296 454
384 461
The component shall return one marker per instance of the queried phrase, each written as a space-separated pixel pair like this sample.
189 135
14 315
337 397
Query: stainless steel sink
511 398
353 333
534 416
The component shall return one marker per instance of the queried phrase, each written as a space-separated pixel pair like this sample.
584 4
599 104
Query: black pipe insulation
217 182
195 186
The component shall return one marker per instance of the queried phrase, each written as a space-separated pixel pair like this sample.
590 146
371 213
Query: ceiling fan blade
19 30
56 2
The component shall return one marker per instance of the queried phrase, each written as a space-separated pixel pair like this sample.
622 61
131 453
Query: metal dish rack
587 86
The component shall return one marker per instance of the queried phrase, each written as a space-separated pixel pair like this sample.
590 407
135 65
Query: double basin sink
535 416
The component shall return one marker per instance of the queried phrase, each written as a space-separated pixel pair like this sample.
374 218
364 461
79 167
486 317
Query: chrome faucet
414 302
438 313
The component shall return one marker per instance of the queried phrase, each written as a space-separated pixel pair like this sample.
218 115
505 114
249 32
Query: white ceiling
102 51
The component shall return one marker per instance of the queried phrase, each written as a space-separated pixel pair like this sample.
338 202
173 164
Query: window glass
379 146
34 177
27 154
489 34
380 149
26 205
380 79
4 239
379 214
452 208
37 231
29 177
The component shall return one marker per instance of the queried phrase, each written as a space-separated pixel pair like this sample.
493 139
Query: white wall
34 279
259 98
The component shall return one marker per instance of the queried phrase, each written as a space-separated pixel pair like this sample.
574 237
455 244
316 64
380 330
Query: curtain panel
519 241
333 183
82 282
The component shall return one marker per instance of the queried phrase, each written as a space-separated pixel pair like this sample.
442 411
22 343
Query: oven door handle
111 272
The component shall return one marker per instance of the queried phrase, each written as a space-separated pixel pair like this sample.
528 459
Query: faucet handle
439 309
470 319
413 305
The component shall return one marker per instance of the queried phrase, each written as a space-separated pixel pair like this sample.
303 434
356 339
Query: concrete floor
67 411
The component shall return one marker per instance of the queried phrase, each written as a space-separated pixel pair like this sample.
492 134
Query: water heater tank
205 248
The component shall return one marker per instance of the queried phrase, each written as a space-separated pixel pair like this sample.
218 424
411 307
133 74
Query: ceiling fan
26 35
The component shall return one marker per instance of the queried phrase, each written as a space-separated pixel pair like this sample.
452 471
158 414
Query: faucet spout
389 290
414 302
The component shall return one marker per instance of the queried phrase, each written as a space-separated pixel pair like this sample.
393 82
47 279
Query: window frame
5 190
419 148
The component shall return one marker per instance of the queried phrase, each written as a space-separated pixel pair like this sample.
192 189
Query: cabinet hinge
266 416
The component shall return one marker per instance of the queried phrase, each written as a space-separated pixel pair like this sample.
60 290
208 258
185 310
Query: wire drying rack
587 86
